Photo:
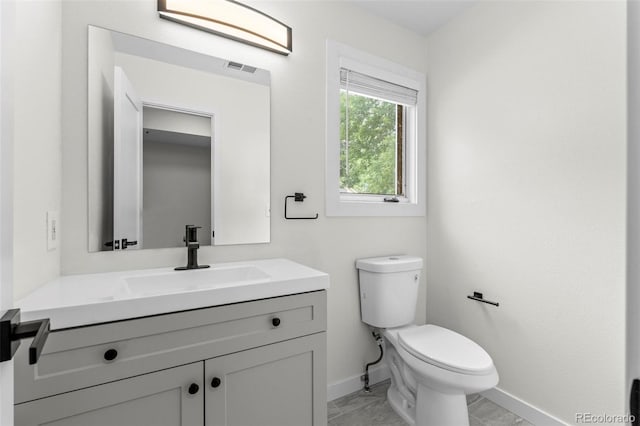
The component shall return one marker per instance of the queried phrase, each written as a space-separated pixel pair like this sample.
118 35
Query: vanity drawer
88 356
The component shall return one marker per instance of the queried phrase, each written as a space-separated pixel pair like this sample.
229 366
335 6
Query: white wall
297 153
526 193
37 147
633 195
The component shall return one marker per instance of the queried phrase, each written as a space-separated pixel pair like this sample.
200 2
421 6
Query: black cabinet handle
193 388
275 321
215 382
110 354
42 328
12 331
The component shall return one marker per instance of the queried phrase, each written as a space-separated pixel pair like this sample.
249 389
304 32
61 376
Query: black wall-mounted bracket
12 331
478 297
298 197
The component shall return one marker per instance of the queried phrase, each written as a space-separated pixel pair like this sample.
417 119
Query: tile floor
372 409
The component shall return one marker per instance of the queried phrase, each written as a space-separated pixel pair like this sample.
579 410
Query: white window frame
413 203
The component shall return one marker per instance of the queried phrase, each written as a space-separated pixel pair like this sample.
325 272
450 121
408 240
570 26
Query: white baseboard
514 404
352 384
517 406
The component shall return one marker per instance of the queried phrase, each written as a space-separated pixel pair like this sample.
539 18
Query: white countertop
77 300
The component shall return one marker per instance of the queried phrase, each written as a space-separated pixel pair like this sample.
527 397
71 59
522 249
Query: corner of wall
37 149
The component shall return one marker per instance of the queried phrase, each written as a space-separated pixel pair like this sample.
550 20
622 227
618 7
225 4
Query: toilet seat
446 349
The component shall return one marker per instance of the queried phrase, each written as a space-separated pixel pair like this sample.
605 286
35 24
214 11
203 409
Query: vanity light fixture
230 19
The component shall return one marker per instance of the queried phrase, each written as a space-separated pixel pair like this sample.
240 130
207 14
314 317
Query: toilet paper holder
478 296
298 197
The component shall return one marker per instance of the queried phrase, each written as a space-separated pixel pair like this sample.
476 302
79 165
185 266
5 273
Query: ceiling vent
241 67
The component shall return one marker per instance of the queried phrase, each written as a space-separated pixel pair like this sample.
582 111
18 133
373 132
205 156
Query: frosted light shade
230 19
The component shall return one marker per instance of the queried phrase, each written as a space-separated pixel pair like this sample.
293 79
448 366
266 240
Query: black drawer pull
275 321
215 382
193 388
110 354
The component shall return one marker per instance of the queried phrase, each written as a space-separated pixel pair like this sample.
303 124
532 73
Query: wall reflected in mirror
176 138
176 154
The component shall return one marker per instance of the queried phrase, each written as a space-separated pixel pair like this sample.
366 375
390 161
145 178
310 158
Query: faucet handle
191 234
191 241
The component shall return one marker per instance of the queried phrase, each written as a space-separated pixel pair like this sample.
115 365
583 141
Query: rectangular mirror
176 138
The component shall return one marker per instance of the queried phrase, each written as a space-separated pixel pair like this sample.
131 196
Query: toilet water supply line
380 344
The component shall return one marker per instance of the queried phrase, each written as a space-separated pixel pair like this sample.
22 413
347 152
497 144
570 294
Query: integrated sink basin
78 300
193 280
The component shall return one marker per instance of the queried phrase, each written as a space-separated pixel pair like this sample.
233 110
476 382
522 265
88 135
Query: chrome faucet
191 241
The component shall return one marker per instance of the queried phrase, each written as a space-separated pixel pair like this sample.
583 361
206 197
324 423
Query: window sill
374 206
369 198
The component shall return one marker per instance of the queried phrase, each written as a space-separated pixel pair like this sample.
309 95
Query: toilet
432 368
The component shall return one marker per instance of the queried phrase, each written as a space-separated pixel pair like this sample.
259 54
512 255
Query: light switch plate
52 230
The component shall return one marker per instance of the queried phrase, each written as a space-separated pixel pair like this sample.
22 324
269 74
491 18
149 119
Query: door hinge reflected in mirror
114 244
126 243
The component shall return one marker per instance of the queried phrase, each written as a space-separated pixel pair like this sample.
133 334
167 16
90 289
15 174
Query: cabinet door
157 399
282 384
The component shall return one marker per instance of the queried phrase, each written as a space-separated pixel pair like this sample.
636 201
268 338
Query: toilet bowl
444 367
432 368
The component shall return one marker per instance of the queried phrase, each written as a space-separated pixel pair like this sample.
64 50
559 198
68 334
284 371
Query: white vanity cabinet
261 362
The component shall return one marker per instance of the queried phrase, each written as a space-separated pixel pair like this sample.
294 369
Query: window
375 136
372 140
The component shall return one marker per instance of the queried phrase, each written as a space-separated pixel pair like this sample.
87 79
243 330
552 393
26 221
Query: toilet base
401 406
434 408
440 409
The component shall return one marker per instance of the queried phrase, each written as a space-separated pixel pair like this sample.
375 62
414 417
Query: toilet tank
389 290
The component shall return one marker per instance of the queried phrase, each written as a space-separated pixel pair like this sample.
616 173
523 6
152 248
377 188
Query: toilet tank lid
387 264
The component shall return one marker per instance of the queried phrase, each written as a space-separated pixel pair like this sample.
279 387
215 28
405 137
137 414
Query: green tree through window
368 135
